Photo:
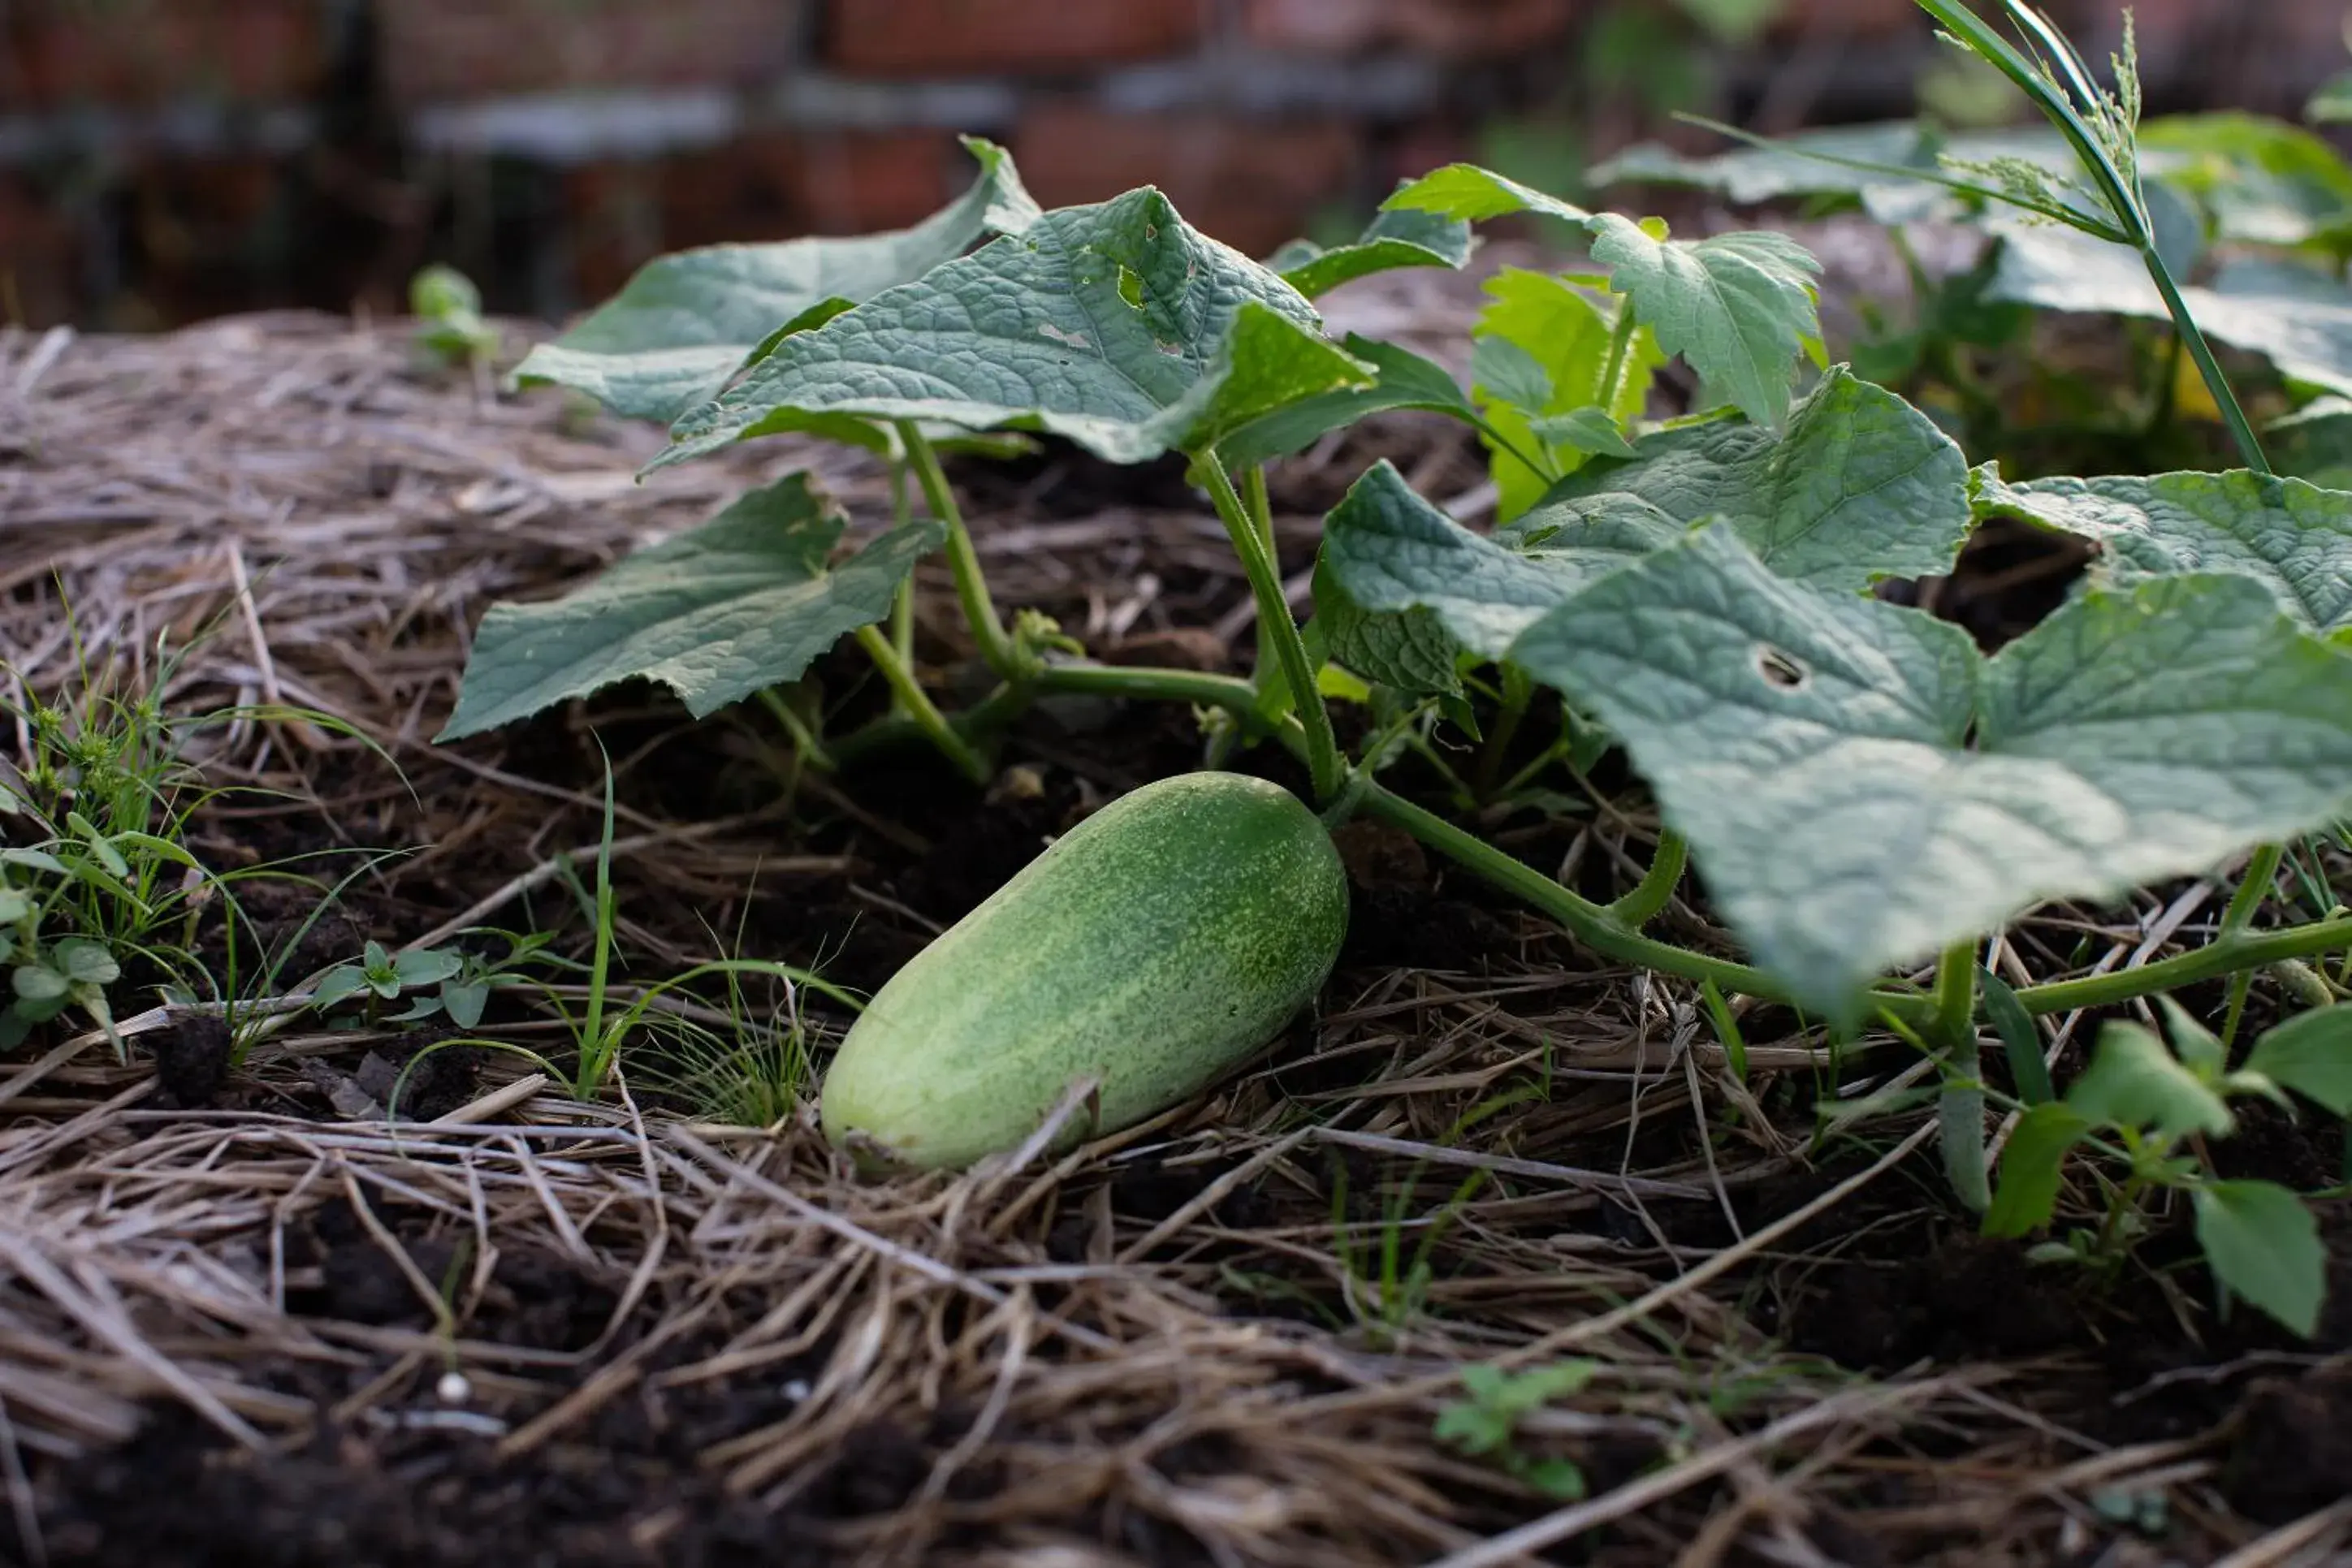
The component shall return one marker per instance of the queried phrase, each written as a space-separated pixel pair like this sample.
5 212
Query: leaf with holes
745 600
1092 324
1402 237
1739 307
686 322
1862 486
1862 788
2292 536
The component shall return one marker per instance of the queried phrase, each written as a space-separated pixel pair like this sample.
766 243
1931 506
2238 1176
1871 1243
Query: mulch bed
245 1319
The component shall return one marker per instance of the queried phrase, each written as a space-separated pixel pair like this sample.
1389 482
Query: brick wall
163 158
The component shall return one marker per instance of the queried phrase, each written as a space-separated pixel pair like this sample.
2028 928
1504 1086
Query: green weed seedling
2147 1111
1484 1423
448 312
1867 794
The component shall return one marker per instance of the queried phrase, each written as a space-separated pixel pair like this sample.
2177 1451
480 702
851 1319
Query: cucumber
1155 946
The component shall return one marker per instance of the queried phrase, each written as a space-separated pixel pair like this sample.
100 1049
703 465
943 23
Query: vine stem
918 706
1620 341
1260 511
1273 620
971 586
2210 962
1651 896
1960 1108
902 604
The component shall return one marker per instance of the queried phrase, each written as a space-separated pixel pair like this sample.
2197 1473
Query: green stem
1519 691
2206 963
1260 511
2260 880
2192 337
971 586
1651 896
917 705
1620 341
902 606
1323 762
811 749
1960 1110
1589 921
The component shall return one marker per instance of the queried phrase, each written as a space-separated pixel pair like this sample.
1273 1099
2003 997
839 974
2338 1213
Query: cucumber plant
1868 795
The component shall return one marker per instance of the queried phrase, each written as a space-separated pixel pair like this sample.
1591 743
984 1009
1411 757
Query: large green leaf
1391 552
685 322
2295 316
1862 486
1862 788
2262 181
745 600
1739 307
2292 536
1092 324
1393 239
1412 651
2263 1244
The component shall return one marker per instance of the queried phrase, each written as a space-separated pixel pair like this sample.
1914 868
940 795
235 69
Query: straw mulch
605 1333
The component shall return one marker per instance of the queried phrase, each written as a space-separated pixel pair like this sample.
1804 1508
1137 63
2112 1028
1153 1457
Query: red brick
1250 185
855 182
134 53
1453 29
205 235
982 37
439 50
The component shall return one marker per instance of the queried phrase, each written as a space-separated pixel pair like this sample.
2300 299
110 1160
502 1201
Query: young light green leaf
2311 1053
2332 104
1863 486
1406 380
1091 325
1267 363
2133 1082
1502 369
2289 536
1739 307
2199 1049
1402 237
39 985
1814 748
686 322
464 1001
1590 431
13 905
744 600
426 965
342 981
84 962
1466 193
2030 1164
2264 1244
1570 336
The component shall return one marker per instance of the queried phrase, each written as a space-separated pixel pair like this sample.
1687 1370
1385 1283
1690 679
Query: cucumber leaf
1092 324
1411 652
1393 239
1862 788
1862 486
2292 538
744 600
2263 1244
1542 355
1739 307
686 322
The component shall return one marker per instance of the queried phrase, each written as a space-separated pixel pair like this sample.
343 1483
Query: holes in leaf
1780 670
1130 286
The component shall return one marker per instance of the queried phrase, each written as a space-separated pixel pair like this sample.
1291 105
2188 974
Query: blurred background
162 161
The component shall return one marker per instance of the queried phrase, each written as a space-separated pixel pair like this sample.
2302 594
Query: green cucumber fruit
1152 948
